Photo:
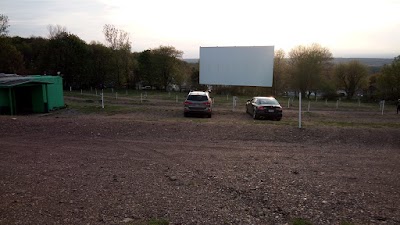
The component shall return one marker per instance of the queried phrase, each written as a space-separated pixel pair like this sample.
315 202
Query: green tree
35 60
307 67
182 73
3 25
327 85
351 77
389 81
145 68
372 89
280 68
99 65
166 63
68 54
11 60
32 49
195 77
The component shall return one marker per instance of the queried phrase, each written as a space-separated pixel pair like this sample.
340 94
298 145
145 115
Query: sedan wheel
255 116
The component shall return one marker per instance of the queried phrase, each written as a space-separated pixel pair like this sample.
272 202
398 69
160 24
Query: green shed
30 94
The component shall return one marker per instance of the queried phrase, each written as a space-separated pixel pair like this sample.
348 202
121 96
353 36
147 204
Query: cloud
367 26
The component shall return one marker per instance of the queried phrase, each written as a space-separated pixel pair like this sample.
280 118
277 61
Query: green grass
358 124
109 109
89 103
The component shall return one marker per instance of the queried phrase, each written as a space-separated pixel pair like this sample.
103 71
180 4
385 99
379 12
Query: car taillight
260 107
207 103
187 103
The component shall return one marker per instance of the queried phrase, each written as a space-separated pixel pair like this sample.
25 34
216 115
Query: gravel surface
71 168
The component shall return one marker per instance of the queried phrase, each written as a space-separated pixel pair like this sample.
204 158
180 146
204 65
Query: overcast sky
348 28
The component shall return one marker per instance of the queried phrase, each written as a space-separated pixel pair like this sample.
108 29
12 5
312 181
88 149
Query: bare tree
118 41
3 25
55 30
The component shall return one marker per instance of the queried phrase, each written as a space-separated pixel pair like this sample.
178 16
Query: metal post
300 110
102 100
233 103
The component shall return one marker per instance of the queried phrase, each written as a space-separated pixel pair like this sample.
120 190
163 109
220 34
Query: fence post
102 99
300 110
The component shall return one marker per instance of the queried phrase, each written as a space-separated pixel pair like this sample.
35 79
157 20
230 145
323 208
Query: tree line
82 65
308 70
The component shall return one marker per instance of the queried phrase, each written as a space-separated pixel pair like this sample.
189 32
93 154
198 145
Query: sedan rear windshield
197 98
267 102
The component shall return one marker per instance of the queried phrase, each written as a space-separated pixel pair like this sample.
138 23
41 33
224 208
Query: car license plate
270 110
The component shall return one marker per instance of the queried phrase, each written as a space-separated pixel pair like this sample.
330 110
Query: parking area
150 162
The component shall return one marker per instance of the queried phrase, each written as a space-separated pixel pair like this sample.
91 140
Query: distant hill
191 60
372 62
375 62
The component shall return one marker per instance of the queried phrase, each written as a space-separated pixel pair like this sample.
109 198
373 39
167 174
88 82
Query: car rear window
268 101
197 98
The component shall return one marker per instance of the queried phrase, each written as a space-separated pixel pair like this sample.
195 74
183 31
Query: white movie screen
240 66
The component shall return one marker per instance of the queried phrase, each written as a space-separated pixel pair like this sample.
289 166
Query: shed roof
12 80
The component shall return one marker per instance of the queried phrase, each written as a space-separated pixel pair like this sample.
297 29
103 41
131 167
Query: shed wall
54 91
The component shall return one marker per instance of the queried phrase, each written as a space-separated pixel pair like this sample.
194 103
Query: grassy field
340 113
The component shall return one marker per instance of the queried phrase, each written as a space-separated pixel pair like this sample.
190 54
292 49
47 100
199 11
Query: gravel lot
73 168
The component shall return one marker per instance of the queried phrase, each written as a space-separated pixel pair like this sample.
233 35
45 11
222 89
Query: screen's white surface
242 66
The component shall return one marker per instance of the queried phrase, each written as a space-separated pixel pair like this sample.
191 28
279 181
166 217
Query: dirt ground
72 168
